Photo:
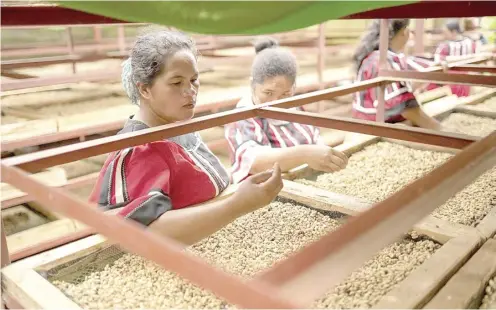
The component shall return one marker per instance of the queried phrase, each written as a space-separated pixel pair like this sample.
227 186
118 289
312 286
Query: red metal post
121 38
419 37
70 46
321 61
5 260
383 47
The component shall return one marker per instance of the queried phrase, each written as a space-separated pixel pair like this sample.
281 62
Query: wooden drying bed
25 281
23 243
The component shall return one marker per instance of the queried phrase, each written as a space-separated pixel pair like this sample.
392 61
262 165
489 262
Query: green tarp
229 17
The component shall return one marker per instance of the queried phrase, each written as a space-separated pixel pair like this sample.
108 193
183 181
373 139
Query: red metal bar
162 250
36 161
383 49
419 37
321 59
440 77
70 47
76 78
474 68
50 16
413 134
320 266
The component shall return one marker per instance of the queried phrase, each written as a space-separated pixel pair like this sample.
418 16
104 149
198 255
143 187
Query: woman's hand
327 159
259 190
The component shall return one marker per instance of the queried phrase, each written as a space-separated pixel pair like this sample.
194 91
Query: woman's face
403 36
172 95
273 88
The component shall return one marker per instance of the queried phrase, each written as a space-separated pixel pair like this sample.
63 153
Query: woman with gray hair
158 183
256 144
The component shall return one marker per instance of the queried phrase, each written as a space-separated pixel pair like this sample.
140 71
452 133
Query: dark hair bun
264 43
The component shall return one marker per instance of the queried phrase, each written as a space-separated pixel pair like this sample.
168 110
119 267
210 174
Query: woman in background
256 144
400 102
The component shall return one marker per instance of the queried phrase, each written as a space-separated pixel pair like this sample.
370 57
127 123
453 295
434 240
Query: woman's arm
419 118
287 158
318 157
190 225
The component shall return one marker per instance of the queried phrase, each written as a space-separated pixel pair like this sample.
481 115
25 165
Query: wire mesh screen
76 271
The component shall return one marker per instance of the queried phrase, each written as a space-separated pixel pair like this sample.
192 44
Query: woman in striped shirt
158 184
455 45
400 102
256 144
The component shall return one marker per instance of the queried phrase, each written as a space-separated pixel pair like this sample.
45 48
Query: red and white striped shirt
463 47
151 179
249 138
398 95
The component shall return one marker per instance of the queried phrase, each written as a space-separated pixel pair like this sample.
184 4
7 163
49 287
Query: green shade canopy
229 17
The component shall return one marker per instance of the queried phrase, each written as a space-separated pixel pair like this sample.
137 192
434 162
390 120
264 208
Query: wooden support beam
466 288
425 281
476 112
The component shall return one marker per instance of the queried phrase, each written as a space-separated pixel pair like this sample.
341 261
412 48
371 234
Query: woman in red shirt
156 184
256 144
400 102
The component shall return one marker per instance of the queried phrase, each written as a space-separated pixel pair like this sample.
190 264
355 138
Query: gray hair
148 58
272 61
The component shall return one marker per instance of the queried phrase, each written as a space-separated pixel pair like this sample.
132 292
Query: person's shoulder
153 152
245 101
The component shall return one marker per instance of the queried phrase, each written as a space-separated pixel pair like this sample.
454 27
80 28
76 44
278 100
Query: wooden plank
93 118
466 288
20 218
421 146
479 97
476 112
22 113
52 177
439 230
28 129
487 227
46 232
419 287
322 199
440 106
31 289
433 94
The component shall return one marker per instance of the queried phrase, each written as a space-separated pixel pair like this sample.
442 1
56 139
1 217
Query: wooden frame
296 281
467 287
